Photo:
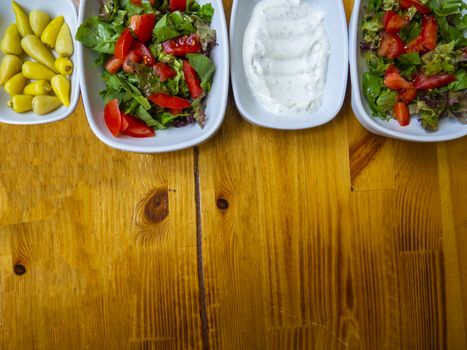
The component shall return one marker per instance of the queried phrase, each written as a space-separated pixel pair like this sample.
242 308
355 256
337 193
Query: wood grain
330 238
107 240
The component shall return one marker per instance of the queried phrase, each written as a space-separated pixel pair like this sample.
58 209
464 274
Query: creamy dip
285 53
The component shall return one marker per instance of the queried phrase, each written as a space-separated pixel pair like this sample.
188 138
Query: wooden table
328 238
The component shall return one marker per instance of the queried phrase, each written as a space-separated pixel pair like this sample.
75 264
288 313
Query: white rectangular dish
336 81
65 8
165 140
449 129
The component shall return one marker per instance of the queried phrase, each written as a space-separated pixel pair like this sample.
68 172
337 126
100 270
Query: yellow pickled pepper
16 84
45 104
64 43
36 49
40 87
50 33
61 86
11 42
20 103
39 20
22 21
64 66
37 71
10 66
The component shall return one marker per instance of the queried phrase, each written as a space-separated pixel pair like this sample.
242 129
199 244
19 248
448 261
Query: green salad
156 60
416 53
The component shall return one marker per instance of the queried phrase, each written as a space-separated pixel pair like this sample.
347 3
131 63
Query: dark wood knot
156 208
222 203
19 269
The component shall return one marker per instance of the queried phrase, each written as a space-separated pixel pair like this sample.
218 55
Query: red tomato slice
393 22
192 80
408 95
395 82
137 128
123 45
387 17
424 82
163 71
143 50
169 101
405 4
182 45
391 46
113 65
113 117
128 64
177 5
391 69
402 113
138 2
416 45
142 26
429 32
125 124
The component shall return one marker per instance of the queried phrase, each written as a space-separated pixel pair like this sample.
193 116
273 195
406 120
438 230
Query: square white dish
65 8
336 81
173 139
449 129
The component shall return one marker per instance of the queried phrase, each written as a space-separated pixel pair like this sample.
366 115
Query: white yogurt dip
285 54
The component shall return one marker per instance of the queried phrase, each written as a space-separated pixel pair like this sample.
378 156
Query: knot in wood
19 269
156 208
222 203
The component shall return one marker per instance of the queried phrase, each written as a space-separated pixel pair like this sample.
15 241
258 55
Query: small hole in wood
19 269
222 203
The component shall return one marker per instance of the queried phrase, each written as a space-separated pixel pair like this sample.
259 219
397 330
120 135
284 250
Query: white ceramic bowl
65 8
165 140
336 81
449 129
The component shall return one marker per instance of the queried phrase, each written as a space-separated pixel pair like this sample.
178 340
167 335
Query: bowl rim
76 85
300 125
116 144
357 104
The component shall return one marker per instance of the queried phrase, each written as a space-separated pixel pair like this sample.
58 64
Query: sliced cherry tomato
124 43
402 113
113 65
133 57
169 101
137 128
429 32
143 50
424 82
395 82
405 4
408 95
416 45
177 5
163 71
391 69
125 124
393 22
192 80
142 26
428 37
138 2
113 117
391 46
387 17
182 45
